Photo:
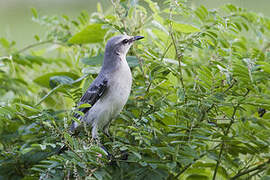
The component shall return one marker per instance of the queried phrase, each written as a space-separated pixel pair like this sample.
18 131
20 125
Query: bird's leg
95 132
124 154
97 140
106 132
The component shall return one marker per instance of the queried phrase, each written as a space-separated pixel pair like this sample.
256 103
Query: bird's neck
113 62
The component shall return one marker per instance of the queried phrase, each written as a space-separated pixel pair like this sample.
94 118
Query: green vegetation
199 103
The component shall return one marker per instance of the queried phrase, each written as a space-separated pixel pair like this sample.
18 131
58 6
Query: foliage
198 108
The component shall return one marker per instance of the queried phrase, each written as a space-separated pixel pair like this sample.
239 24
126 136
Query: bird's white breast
119 88
114 99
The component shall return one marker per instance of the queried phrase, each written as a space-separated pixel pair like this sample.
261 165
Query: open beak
135 38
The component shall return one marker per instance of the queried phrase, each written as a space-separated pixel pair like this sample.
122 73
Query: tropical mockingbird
109 92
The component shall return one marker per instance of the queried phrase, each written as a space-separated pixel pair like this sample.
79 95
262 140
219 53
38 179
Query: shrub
199 102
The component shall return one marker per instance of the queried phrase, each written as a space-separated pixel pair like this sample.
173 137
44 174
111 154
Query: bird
110 90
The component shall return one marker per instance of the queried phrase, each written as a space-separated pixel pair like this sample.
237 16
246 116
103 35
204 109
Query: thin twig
165 52
194 160
255 173
234 82
225 134
223 143
34 45
259 167
147 92
140 64
178 55
38 44
179 58
48 94
219 159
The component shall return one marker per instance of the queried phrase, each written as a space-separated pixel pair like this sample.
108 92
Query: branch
37 44
190 164
140 65
178 55
179 58
225 134
219 159
234 82
48 94
194 160
165 52
259 167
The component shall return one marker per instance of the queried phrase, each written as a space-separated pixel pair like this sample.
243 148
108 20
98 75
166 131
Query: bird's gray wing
91 96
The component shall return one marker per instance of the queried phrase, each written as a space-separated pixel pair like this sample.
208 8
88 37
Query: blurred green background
16 23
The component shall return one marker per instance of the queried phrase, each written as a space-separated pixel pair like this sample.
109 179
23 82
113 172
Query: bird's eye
125 41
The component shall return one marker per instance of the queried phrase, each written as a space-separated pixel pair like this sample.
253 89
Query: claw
109 155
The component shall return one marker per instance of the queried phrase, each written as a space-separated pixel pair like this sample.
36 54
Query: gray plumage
109 92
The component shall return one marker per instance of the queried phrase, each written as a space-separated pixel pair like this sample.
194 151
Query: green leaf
153 6
197 177
173 79
138 155
68 138
231 7
93 61
266 177
44 80
4 42
265 66
201 12
34 12
91 70
185 28
26 150
27 107
100 150
86 105
132 61
57 80
93 33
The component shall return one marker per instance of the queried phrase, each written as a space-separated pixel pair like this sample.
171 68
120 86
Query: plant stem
259 167
37 44
179 57
194 160
165 52
225 134
33 45
48 94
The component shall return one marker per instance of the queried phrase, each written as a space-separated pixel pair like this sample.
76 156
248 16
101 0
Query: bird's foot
98 143
109 155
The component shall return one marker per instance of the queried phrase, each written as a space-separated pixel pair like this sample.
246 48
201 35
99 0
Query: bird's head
119 45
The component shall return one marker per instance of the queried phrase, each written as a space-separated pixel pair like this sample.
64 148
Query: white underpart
112 101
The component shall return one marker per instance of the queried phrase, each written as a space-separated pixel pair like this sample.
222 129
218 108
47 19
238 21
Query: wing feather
91 96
